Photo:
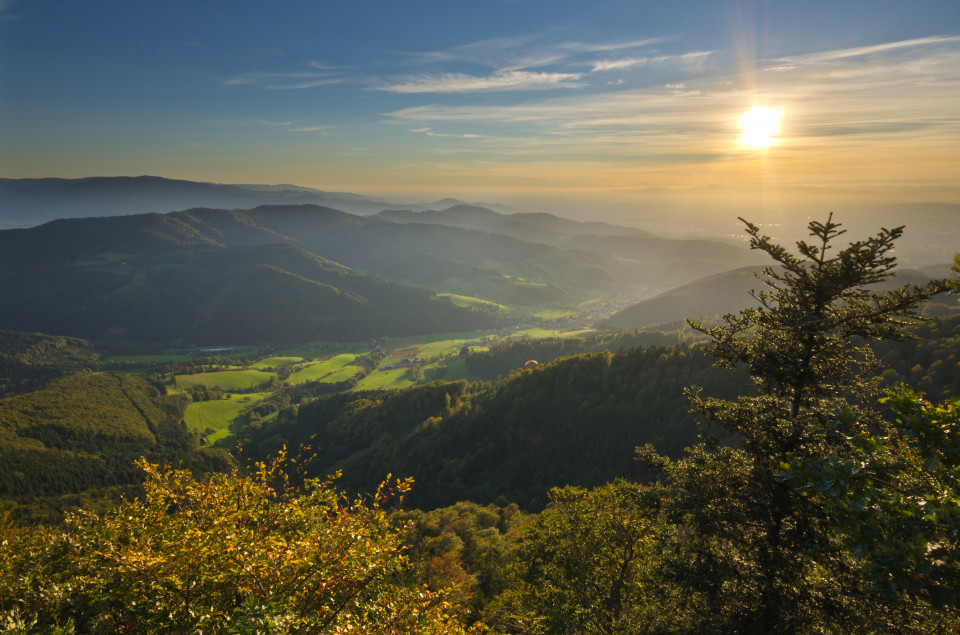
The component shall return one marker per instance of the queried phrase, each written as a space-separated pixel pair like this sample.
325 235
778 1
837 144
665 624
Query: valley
502 366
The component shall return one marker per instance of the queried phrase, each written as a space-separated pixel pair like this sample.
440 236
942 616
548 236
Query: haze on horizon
530 103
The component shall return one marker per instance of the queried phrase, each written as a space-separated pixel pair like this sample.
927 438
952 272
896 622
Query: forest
793 467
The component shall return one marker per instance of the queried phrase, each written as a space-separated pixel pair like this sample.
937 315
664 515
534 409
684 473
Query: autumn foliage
237 553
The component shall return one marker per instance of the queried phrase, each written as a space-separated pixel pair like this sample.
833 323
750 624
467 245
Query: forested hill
561 265
28 360
82 433
160 280
573 421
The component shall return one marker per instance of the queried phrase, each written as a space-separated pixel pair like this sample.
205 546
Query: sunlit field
337 368
273 363
226 379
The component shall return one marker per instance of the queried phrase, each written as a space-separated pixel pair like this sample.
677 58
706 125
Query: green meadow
273 363
386 380
219 414
337 368
226 379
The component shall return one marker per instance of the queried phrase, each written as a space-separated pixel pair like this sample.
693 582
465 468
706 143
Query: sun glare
759 127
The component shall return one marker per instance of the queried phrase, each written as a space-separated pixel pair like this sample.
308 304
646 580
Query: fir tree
759 555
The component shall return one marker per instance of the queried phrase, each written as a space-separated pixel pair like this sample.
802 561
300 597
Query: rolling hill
175 280
167 277
28 360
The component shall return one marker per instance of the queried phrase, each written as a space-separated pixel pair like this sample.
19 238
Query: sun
759 127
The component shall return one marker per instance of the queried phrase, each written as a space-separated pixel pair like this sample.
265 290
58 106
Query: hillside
177 278
703 298
179 287
28 360
573 421
728 292
82 433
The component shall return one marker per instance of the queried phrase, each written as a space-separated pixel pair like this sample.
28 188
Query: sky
510 100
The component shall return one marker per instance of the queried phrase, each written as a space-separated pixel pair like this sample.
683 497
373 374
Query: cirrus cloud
500 81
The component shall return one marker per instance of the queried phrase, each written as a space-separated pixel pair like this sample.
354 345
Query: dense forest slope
28 360
576 420
82 433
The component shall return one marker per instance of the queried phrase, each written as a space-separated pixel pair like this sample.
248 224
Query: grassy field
272 363
337 368
217 415
341 374
386 380
439 357
226 379
535 333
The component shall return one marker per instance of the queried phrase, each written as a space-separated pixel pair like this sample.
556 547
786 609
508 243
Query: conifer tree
758 555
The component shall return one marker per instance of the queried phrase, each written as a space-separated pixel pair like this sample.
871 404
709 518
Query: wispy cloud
309 128
687 61
526 52
502 81
877 49
430 133
612 65
586 47
283 81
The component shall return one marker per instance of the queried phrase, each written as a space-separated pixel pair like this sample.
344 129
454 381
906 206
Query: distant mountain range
308 272
350 269
30 202
177 280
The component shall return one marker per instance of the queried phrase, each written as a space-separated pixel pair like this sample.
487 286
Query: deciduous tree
238 553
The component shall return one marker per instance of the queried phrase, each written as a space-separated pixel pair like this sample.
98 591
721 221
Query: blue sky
506 99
